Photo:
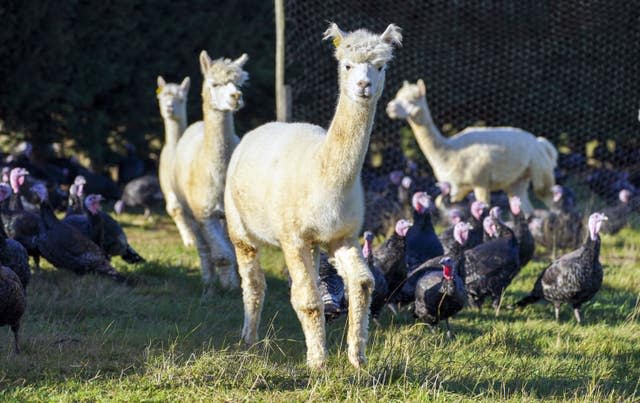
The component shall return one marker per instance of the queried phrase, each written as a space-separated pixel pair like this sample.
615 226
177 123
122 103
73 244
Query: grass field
87 338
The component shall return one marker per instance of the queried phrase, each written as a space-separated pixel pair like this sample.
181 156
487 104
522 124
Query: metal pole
283 106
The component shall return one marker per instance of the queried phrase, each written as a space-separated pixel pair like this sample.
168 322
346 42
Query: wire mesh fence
568 71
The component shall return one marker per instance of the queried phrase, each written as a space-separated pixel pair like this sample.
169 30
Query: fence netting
567 70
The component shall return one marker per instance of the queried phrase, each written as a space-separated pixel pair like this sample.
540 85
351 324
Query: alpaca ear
186 83
392 35
422 88
205 62
334 32
161 82
241 60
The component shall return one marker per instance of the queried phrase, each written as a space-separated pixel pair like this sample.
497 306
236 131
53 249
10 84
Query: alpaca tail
545 158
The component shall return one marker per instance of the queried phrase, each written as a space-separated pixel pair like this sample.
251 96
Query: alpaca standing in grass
297 186
172 99
201 160
479 159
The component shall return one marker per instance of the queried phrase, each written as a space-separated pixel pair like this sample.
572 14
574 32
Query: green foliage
86 71
87 338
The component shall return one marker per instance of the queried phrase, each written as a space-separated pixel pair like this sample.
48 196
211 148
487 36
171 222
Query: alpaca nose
364 84
236 95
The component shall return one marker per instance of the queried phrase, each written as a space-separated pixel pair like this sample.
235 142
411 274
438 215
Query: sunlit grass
87 338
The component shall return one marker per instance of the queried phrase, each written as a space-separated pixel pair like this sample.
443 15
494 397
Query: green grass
87 338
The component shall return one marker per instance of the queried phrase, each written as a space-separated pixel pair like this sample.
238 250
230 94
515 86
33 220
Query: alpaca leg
483 194
206 267
306 301
176 213
222 255
557 311
359 280
254 286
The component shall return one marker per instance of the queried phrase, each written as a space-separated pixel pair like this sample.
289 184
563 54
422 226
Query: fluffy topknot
363 46
223 71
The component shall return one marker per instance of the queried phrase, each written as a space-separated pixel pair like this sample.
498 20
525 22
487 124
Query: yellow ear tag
158 90
336 41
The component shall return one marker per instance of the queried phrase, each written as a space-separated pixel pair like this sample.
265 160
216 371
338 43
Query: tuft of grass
87 338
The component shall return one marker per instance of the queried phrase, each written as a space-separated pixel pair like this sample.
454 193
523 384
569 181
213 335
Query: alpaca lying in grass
172 99
297 186
201 159
479 159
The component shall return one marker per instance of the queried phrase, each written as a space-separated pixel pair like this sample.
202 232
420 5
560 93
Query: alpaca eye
380 68
347 67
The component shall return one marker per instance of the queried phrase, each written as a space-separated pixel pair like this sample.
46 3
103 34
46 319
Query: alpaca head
409 101
92 203
172 98
362 58
5 191
222 81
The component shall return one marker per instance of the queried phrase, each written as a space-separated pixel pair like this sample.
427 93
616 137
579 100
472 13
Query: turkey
381 288
76 192
446 236
573 278
478 213
389 258
16 180
619 215
445 205
103 230
12 302
560 228
143 191
440 295
21 226
490 266
67 248
521 230
422 243
14 256
460 235
331 288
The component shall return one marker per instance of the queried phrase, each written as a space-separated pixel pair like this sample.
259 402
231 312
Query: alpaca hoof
316 363
357 360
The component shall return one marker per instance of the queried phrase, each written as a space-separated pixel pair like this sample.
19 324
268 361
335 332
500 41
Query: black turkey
389 258
67 248
331 288
440 294
103 230
381 288
618 215
521 230
22 226
460 235
14 256
16 180
490 266
573 278
12 302
560 228
446 236
143 192
422 243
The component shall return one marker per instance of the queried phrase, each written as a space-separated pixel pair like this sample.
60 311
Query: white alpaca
172 100
479 159
297 186
201 160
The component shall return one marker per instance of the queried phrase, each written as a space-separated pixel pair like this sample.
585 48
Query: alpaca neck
342 154
219 131
429 138
173 129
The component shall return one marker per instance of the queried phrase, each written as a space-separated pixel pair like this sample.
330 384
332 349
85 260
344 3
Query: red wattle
447 272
